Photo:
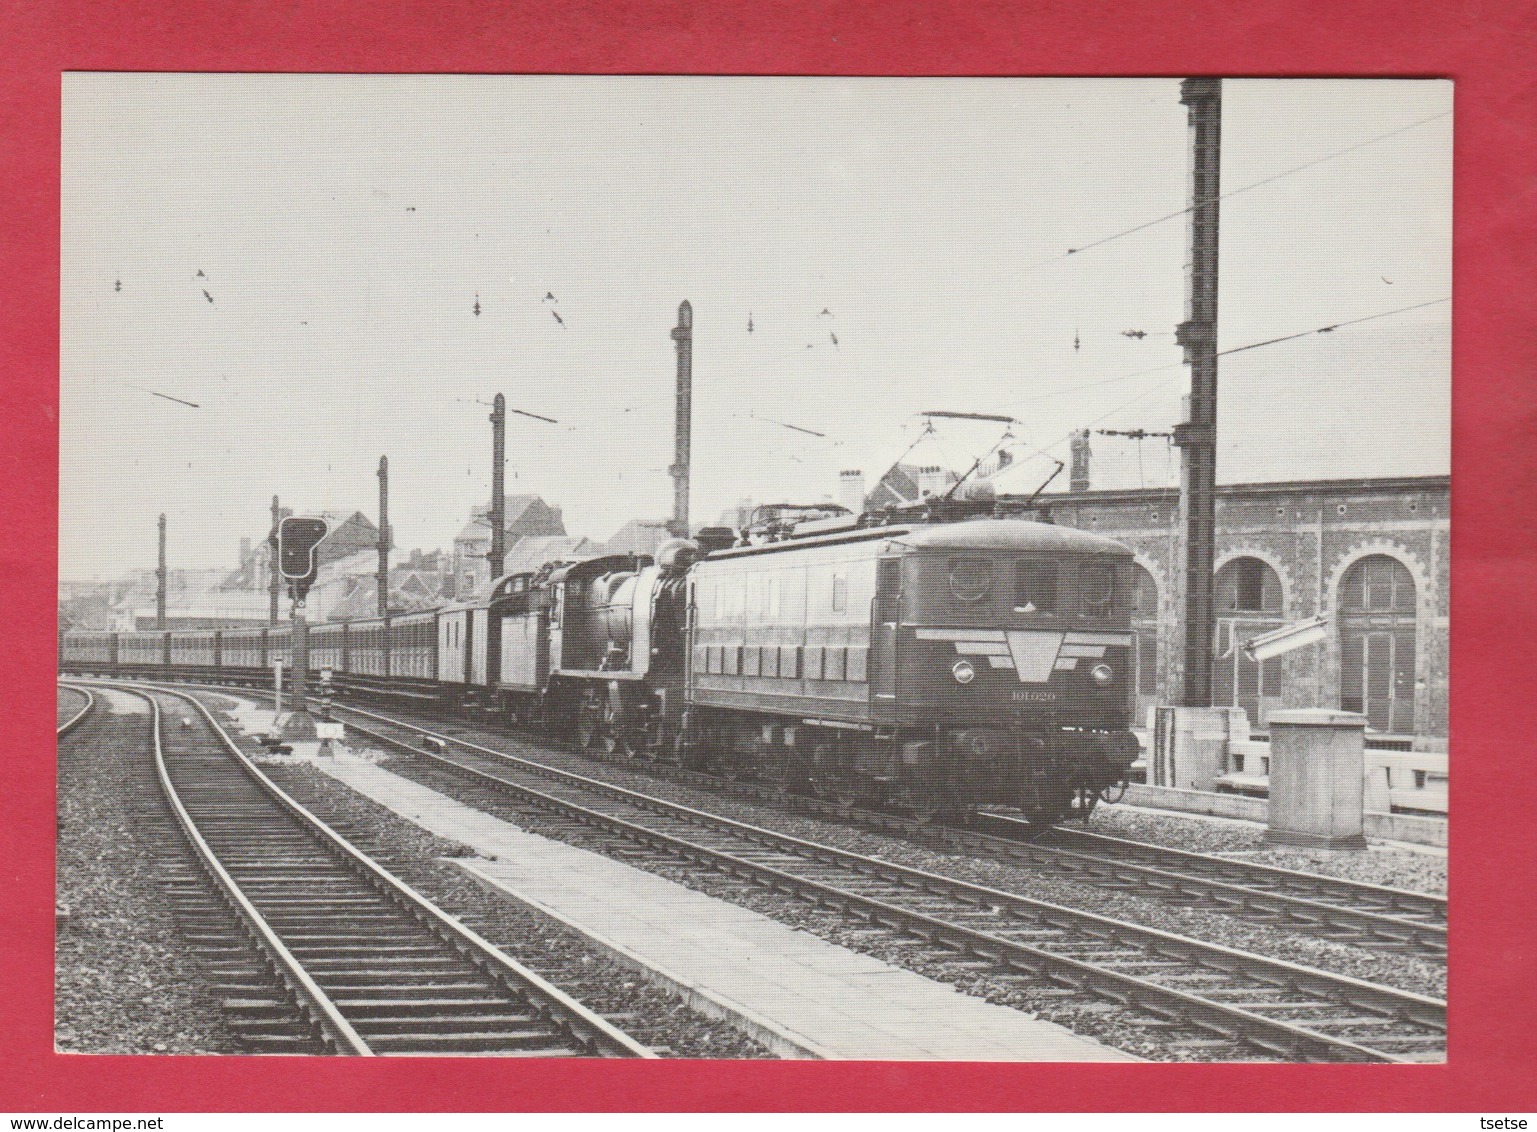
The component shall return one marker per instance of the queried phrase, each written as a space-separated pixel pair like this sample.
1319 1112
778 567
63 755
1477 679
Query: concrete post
1316 778
498 556
273 584
1196 436
298 723
160 580
683 337
1190 746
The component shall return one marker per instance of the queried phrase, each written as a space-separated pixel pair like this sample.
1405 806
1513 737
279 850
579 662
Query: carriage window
840 591
1096 588
1035 586
971 578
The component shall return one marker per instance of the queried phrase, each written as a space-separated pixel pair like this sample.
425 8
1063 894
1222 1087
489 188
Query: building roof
1389 484
479 526
533 551
638 536
900 485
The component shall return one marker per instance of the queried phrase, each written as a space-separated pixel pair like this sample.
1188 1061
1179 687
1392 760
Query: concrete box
1317 787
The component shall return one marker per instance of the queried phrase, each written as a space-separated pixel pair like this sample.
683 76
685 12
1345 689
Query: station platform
800 995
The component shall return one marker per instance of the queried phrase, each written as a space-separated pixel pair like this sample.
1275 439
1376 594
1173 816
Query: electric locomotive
937 666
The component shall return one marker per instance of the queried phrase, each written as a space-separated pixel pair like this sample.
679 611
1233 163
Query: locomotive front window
1096 588
971 578
1035 586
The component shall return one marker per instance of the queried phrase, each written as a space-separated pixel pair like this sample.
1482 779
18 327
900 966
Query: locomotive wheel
1084 800
608 729
589 723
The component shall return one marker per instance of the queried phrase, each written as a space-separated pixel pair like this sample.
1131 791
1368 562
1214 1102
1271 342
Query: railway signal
299 536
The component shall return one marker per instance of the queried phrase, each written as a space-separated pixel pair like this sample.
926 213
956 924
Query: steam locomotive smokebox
1316 778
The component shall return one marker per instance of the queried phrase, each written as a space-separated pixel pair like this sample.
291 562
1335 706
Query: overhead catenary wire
1234 350
1223 353
1333 327
1234 192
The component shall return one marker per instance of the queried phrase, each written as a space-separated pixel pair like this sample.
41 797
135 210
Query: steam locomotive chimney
683 336
498 553
160 579
384 535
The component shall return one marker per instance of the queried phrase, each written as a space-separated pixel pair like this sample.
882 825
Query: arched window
1248 602
1377 584
1248 585
1378 632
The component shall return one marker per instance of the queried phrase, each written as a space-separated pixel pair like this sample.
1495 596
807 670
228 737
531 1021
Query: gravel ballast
559 954
121 981
1394 867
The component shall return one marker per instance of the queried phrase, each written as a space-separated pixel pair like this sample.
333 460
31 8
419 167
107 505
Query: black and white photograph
862 569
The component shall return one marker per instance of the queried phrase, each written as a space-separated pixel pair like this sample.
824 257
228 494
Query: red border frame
1483 44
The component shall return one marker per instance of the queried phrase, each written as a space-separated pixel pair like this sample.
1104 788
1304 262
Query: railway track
1214 1002
373 968
1350 912
68 720
1344 910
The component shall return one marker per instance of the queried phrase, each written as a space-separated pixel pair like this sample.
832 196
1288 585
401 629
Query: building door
1378 643
885 612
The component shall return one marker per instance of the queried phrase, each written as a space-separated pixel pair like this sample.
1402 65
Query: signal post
299 539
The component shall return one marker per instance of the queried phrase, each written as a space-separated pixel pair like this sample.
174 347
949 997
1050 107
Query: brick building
1371 554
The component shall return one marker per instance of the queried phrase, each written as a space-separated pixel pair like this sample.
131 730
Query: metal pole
498 555
384 535
272 564
1196 437
683 337
160 579
300 681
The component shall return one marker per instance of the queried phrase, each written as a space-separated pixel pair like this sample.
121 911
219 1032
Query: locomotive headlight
963 672
1103 674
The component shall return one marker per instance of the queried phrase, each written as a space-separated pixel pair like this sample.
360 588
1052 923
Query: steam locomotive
938 659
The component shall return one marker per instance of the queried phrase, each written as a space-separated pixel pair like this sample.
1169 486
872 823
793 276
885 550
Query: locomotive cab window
1096 588
1035 586
970 578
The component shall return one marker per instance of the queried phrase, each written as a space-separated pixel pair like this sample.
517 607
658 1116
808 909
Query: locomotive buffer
299 538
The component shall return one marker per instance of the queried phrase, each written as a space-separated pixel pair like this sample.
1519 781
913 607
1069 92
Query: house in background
527 516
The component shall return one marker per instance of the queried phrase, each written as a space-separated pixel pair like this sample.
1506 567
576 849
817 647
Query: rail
78 718
323 1013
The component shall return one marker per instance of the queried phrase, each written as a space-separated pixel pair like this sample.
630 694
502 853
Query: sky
303 258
